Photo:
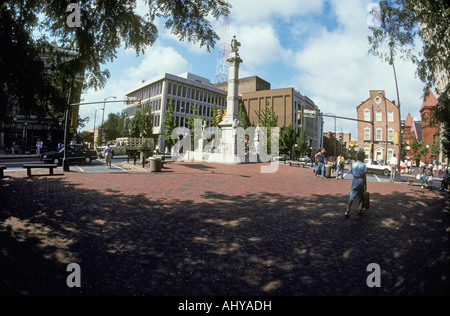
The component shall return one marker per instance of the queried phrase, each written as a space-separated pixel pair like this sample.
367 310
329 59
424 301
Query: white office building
185 90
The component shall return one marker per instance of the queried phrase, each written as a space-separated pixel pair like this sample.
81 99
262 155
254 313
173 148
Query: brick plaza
211 229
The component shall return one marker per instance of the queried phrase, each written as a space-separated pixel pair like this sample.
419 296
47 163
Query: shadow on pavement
256 244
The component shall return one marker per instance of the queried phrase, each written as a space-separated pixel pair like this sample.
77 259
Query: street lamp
103 117
391 62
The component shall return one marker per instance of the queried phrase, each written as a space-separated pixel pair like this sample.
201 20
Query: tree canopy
28 27
405 24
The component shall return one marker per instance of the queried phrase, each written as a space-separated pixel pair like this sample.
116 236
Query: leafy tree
142 123
288 137
401 23
215 115
267 118
302 140
169 124
85 137
243 116
27 27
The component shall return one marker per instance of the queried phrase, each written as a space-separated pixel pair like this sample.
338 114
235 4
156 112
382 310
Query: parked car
378 167
304 159
75 154
282 157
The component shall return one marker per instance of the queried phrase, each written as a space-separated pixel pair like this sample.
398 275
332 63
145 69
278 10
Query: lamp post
391 62
103 117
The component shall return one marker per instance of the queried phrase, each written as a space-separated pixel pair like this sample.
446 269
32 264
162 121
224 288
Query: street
206 229
98 165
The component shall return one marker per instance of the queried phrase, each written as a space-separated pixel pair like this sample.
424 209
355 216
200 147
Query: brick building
412 130
286 103
386 123
430 129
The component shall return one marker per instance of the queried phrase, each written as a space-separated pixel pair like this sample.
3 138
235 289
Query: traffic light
299 116
139 103
396 138
218 116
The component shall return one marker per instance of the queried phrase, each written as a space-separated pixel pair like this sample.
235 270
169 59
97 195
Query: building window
391 117
367 134
366 115
378 116
391 135
379 134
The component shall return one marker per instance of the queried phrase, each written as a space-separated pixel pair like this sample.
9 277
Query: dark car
75 154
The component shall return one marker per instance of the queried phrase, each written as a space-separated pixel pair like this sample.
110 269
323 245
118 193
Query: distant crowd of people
359 170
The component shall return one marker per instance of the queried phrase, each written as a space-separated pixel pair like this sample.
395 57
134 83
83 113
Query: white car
378 167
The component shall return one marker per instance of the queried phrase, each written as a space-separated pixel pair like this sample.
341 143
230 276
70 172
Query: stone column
231 119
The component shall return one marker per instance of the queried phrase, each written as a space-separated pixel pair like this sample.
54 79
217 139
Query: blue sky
319 47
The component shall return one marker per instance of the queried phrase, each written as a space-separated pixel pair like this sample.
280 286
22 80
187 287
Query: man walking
393 164
320 158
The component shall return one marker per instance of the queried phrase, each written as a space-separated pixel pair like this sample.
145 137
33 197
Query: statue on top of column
235 45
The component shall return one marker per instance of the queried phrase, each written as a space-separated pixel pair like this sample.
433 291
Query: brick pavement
210 229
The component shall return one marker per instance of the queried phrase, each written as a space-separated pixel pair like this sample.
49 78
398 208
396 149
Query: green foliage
169 124
288 137
27 26
267 118
243 117
142 123
302 140
401 23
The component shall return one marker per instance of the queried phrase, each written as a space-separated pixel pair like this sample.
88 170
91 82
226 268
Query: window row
378 116
192 93
379 134
190 107
180 121
148 92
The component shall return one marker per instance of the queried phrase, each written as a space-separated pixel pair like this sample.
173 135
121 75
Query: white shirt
393 161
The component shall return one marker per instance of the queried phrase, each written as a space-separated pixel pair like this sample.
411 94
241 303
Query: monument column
231 120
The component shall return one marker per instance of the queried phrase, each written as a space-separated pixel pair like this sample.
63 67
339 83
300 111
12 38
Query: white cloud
337 72
260 46
156 61
257 11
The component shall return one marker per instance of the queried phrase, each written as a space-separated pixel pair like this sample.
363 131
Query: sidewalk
208 229
9 156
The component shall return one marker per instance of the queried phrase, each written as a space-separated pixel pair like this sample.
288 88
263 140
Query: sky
319 47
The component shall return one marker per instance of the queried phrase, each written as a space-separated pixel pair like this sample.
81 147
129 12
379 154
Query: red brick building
386 123
430 129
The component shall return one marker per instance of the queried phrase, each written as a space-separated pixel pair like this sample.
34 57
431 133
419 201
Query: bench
1 171
298 163
39 166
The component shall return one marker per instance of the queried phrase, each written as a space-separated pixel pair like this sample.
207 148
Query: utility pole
397 174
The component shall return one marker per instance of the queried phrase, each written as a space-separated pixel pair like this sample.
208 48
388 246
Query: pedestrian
108 156
38 147
445 180
340 166
359 182
426 175
409 164
393 163
320 158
